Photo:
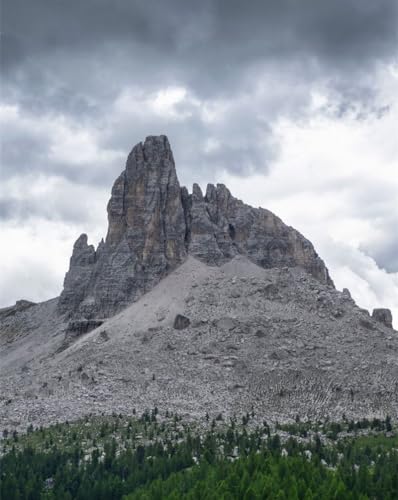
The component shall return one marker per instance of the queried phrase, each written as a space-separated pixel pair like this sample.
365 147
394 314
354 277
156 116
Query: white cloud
63 147
34 260
370 286
336 181
168 103
53 198
35 257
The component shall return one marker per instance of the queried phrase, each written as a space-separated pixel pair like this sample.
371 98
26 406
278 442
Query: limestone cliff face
145 239
220 227
154 224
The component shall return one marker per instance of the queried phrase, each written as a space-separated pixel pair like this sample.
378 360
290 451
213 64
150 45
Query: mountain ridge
154 224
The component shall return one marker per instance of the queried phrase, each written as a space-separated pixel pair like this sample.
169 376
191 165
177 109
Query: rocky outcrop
20 305
145 239
181 322
383 316
81 326
154 224
77 328
219 227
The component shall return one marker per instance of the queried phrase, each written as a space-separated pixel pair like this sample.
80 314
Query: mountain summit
154 224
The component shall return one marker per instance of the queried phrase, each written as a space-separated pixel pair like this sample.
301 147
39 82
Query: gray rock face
383 316
154 224
220 227
77 328
145 239
181 322
20 305
80 327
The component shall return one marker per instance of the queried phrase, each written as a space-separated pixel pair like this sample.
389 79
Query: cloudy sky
292 104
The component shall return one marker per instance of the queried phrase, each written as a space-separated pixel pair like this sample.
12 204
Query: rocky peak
83 253
383 315
20 305
145 239
154 224
146 192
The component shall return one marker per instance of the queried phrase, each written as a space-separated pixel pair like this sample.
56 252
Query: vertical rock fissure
186 202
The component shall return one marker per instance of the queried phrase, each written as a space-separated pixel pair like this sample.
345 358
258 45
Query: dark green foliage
172 461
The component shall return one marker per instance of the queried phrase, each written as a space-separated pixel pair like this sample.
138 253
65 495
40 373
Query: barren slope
276 339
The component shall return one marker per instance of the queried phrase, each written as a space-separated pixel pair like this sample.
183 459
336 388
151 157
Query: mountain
154 224
194 303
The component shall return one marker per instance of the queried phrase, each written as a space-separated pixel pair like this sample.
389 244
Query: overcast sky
292 104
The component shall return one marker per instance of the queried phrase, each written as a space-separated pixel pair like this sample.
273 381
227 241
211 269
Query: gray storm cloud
72 58
83 81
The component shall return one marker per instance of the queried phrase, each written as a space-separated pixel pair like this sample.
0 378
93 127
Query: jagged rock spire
154 224
145 239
